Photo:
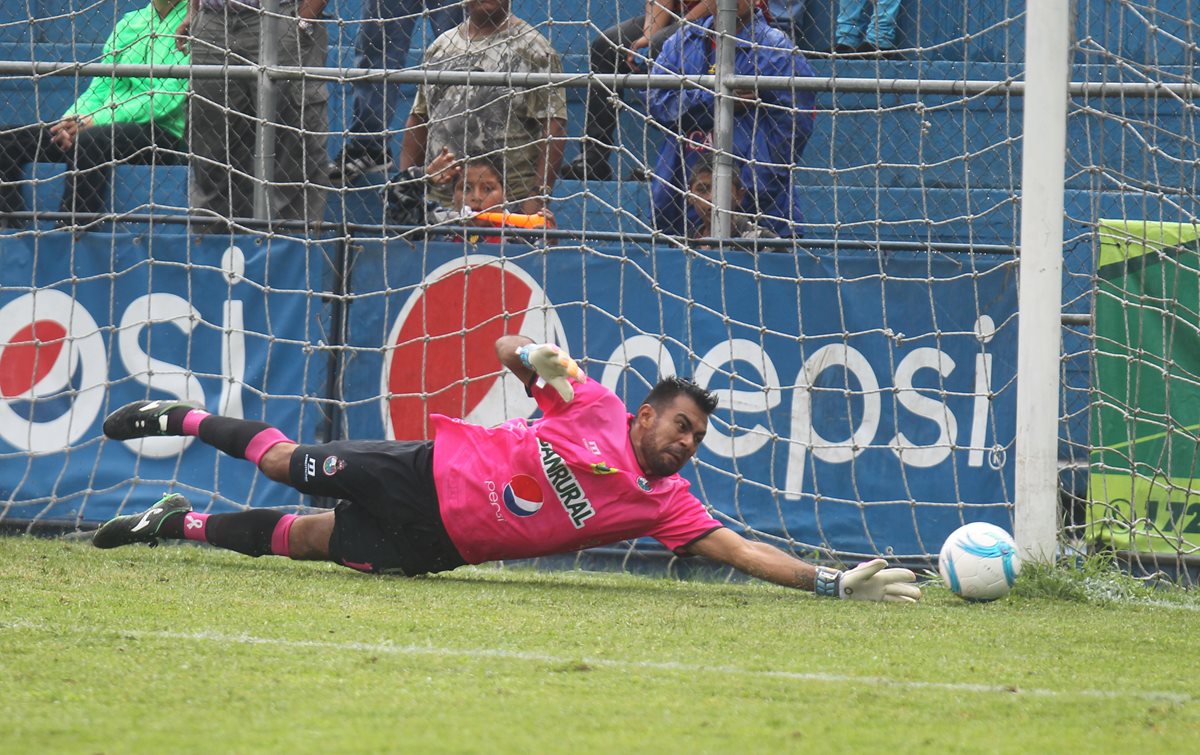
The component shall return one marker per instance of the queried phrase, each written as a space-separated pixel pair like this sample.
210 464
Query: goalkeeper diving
587 473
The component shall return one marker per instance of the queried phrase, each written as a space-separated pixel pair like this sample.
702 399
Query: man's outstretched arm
506 351
867 581
528 360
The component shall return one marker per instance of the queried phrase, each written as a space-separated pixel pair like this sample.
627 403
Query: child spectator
480 197
700 209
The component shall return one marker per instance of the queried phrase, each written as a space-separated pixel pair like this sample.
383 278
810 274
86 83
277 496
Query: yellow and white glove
868 581
552 365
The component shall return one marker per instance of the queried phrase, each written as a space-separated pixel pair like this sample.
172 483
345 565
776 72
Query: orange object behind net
513 219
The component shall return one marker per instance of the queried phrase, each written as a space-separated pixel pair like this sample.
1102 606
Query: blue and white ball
979 562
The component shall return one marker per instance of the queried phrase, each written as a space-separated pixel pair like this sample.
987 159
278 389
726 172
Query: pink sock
192 420
263 442
279 537
195 526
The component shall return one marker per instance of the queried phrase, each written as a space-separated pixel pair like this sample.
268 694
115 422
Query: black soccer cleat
141 419
143 527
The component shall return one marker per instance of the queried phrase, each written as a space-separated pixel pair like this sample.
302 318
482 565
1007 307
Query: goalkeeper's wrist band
828 582
523 354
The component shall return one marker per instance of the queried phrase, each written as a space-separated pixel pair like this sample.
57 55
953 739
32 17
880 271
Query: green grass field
185 649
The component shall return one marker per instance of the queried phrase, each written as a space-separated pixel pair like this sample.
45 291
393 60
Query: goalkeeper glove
868 581
553 365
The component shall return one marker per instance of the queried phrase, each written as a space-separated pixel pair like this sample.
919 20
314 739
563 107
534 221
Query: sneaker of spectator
867 29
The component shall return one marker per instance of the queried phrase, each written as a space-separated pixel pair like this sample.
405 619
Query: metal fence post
264 129
726 28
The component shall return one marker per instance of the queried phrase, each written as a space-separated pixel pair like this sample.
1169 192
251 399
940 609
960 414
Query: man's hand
65 132
183 33
870 581
633 58
553 365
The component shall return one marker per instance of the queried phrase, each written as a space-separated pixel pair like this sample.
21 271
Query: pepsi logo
440 354
522 495
53 368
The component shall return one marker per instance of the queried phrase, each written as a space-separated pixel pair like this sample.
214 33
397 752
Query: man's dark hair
670 387
706 163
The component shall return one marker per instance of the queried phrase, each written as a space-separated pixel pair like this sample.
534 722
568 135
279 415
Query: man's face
487 12
665 440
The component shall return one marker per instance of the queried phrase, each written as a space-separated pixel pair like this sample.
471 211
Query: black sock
175 420
240 438
247 532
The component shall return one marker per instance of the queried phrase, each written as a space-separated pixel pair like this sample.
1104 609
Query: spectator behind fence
117 119
628 47
521 129
770 126
480 197
742 229
224 111
872 33
382 43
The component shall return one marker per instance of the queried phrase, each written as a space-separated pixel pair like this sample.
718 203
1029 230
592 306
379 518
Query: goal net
858 319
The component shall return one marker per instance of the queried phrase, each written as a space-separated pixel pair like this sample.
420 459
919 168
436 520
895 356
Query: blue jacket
767 140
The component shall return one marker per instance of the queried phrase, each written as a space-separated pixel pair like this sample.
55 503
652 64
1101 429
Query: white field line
1155 603
665 666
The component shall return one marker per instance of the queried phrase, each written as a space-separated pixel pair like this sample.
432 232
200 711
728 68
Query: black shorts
388 519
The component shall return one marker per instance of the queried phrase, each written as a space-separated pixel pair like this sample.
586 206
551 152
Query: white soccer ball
979 562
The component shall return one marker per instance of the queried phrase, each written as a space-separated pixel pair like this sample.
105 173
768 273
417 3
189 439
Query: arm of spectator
100 91
146 99
684 109
150 100
183 32
416 134
702 9
659 15
790 113
310 8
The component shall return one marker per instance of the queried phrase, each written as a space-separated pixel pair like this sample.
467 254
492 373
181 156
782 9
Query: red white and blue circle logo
440 354
53 370
523 496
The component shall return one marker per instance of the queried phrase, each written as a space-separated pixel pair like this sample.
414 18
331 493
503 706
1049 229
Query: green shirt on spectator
140 37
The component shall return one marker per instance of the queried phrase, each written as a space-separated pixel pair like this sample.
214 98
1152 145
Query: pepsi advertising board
867 400
87 325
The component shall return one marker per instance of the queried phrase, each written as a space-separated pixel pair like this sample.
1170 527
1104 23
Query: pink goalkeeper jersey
567 481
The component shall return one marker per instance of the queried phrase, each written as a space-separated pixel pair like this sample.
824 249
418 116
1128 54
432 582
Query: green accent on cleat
143 527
